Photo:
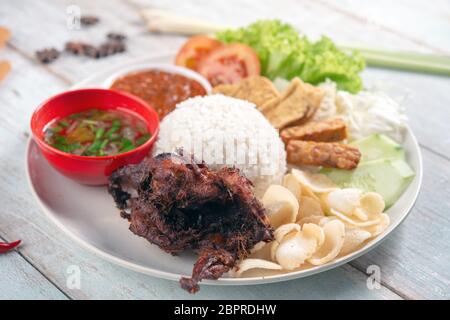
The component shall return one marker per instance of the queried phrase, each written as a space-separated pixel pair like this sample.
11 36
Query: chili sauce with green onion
96 132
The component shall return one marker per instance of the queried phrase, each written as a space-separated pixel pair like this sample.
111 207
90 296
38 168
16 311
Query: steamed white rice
222 131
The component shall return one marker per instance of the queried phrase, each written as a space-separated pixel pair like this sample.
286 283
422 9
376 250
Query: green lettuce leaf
283 53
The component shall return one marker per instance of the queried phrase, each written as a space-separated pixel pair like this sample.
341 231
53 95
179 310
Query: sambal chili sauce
161 90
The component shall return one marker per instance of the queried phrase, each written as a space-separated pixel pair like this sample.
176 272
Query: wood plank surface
415 20
414 260
20 280
311 17
124 18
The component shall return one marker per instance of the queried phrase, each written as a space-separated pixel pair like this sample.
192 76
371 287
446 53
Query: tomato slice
194 50
229 64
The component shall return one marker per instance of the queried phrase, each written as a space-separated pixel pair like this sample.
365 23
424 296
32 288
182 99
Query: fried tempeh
297 104
257 89
330 130
325 154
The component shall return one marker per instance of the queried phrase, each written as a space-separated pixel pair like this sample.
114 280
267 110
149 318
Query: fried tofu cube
226 89
296 105
256 89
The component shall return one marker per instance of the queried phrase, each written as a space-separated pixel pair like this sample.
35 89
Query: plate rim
221 281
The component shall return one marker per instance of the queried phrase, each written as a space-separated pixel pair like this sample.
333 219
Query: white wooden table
414 261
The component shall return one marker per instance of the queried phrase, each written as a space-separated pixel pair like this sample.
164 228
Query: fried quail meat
179 204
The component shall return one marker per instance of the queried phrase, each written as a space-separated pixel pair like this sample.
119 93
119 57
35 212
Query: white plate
87 214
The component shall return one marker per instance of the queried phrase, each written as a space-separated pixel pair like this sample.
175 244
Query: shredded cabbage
283 53
365 113
371 112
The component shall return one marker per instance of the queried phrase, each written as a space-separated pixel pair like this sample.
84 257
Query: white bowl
188 73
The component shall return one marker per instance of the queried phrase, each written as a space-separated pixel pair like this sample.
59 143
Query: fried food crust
256 89
226 89
325 154
321 131
179 204
296 105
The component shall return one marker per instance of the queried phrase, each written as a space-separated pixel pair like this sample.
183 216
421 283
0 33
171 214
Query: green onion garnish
64 124
142 139
104 143
94 147
127 145
56 129
99 133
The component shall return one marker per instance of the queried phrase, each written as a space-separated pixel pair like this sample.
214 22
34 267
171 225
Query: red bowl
87 169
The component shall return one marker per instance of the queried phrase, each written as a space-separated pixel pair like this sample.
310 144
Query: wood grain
414 260
20 280
418 21
310 17
52 20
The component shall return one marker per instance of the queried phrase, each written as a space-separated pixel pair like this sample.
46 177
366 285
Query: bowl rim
43 145
174 69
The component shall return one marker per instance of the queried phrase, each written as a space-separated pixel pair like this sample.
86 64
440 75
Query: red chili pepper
5 246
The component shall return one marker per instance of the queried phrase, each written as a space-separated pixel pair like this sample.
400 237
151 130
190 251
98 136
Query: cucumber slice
388 177
378 146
